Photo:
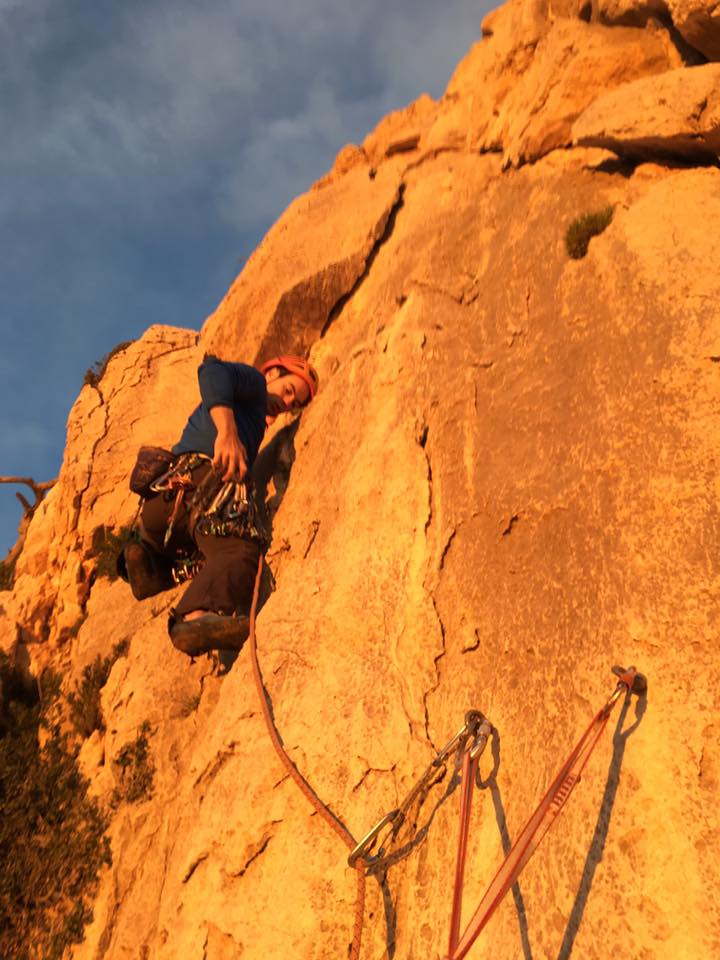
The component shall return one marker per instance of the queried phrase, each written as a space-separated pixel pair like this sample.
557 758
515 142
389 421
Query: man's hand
229 455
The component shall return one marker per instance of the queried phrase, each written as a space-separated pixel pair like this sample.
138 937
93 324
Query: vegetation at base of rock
7 574
52 835
85 712
137 769
94 374
106 545
584 228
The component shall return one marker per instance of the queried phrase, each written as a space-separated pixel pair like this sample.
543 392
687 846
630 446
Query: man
199 503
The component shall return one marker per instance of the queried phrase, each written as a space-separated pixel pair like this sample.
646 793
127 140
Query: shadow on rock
597 845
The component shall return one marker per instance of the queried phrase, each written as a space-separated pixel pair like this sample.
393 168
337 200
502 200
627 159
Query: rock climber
196 519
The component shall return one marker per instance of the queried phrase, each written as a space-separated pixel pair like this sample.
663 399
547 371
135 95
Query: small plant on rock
95 373
584 228
7 574
106 545
84 701
137 769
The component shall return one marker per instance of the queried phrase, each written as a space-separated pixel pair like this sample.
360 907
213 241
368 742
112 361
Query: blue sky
147 148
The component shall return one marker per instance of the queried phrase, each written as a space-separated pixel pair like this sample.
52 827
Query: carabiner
368 840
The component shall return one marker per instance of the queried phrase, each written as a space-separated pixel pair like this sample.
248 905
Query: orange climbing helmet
300 367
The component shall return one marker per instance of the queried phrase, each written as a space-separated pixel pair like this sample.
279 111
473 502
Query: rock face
507 483
676 115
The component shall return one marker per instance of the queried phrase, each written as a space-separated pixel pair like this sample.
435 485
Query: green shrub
584 228
85 711
137 769
52 834
94 374
106 545
7 574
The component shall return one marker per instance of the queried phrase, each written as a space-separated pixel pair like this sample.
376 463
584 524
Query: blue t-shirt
225 384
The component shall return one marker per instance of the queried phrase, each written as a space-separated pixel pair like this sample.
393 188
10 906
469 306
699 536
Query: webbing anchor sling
629 681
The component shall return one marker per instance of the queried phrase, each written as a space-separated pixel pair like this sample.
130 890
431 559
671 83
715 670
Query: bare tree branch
39 489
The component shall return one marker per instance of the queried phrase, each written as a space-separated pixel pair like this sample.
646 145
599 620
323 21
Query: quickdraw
470 741
629 681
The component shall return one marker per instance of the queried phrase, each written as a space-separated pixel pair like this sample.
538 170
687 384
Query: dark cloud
146 150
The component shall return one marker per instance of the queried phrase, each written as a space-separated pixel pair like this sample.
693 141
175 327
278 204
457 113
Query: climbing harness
470 741
218 508
178 480
629 681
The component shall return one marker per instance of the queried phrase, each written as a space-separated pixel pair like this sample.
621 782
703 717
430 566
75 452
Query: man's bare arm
229 456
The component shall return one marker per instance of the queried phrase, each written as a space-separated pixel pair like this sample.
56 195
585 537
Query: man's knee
143 570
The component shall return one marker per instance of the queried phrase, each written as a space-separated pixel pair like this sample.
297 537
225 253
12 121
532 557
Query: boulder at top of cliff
698 21
675 115
520 90
630 13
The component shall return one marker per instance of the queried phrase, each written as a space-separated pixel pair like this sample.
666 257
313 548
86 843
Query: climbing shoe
137 566
211 631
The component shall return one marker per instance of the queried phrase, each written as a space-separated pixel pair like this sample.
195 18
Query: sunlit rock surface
507 484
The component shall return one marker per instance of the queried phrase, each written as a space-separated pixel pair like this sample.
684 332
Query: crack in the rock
315 524
422 439
511 523
194 865
430 156
687 151
109 928
460 299
257 852
436 661
77 501
368 771
446 548
386 232
468 648
214 767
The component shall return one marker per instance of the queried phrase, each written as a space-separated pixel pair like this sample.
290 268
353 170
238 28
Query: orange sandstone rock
507 483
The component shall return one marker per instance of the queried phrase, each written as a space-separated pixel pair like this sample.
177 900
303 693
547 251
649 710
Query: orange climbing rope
327 815
537 826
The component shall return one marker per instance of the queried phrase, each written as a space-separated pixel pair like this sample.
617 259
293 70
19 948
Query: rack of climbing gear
218 508
231 512
384 844
178 480
629 681
185 567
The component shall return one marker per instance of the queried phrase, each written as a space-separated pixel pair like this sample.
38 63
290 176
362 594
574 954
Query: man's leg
219 597
148 569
